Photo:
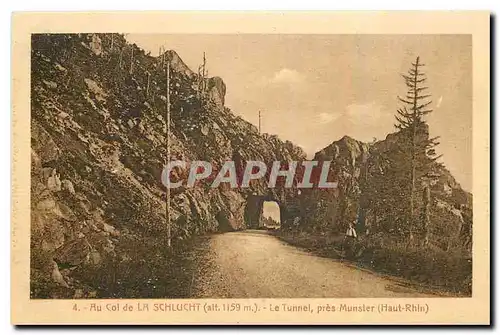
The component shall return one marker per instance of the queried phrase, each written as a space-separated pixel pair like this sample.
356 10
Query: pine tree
415 142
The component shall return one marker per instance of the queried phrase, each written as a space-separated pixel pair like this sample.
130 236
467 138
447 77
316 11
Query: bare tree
202 75
147 87
120 58
132 61
426 214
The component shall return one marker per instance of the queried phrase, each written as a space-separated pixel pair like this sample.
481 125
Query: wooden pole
259 123
121 56
163 56
132 61
169 232
159 56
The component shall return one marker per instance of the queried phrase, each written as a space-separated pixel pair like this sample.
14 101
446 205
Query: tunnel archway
271 216
254 210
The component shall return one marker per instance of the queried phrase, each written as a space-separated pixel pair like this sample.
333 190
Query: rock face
98 149
216 84
369 195
178 64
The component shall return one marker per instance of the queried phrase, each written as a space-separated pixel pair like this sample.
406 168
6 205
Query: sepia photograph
108 110
198 166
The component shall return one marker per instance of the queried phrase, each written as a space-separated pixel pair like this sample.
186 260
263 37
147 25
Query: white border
52 5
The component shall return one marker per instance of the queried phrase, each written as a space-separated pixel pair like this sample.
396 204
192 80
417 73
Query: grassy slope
434 269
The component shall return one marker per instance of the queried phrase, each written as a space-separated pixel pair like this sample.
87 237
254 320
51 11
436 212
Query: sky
271 209
314 89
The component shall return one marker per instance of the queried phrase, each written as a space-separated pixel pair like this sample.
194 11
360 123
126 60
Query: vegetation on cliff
98 216
98 141
413 218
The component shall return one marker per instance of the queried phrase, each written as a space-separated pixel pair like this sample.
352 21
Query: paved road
255 264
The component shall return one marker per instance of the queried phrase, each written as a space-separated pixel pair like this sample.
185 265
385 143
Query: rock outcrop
367 191
98 139
98 150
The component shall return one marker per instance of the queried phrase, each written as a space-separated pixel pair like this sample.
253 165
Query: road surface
255 264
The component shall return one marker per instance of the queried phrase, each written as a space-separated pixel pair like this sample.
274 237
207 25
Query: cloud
440 100
325 118
363 113
287 77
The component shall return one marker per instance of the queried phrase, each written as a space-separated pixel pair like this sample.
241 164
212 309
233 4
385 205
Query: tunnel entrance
271 216
225 221
259 208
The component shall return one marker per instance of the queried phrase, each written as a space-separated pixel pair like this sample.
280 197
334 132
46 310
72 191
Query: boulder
43 144
219 87
68 186
78 294
57 277
95 258
72 253
96 45
108 229
53 182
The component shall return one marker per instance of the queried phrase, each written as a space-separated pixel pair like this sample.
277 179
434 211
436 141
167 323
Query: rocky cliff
369 194
99 140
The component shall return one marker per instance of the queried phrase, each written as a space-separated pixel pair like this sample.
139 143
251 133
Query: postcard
323 168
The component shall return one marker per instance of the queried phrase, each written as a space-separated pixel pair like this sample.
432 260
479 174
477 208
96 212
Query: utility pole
167 158
259 122
159 56
162 56
132 61
121 56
